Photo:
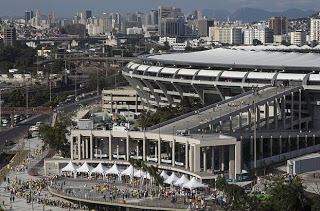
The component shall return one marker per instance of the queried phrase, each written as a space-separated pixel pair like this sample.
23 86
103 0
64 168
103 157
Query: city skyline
17 7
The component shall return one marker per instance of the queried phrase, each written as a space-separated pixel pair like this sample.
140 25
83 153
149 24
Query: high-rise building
28 15
227 35
38 18
203 27
279 25
154 17
88 14
164 12
298 37
9 35
315 29
171 27
264 35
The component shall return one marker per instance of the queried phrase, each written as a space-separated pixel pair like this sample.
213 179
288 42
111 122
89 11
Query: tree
57 66
55 137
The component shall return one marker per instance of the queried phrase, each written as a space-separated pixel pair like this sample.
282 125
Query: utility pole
97 81
254 128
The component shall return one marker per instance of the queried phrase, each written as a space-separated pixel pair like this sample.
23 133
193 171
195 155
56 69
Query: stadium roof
242 58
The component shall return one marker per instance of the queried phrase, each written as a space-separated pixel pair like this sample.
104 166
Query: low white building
134 30
298 38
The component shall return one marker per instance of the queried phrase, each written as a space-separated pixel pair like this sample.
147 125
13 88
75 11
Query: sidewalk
20 203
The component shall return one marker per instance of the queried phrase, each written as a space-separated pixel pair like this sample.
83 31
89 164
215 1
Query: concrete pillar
91 147
267 114
231 162
275 113
240 121
212 159
191 158
79 147
271 140
205 159
292 109
221 158
306 140
238 157
314 140
156 151
83 149
196 158
300 109
186 155
249 118
258 118
173 152
137 149
117 151
261 146
280 145
159 151
144 149
284 111
87 148
289 143
110 147
71 147
298 145
230 119
251 148
127 147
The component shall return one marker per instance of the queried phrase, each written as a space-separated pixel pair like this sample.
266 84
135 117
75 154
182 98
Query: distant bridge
24 110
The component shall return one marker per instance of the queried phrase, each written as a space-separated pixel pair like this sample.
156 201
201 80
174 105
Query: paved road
16 133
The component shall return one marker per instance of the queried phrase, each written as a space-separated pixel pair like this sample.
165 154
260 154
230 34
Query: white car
34 128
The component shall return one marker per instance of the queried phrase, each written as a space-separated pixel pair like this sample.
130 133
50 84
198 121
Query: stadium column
173 152
238 157
292 109
249 119
79 147
191 157
87 147
267 114
212 159
280 144
159 150
205 159
261 147
271 153
251 148
83 149
196 158
110 147
91 148
284 111
299 109
258 117
289 143
144 148
275 113
221 158
137 149
231 162
186 155
127 147
298 144
71 147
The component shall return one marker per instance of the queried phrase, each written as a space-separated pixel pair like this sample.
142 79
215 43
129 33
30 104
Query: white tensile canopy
71 167
129 171
183 180
172 179
85 168
164 175
115 169
100 169
194 184
147 176
140 173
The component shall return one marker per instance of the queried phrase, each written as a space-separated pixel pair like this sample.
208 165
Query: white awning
115 169
194 184
167 70
100 169
154 69
187 72
233 74
209 73
314 77
85 168
71 167
260 75
143 67
290 76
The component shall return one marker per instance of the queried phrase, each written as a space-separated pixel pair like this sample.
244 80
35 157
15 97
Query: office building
298 38
88 14
154 17
171 27
226 35
264 35
203 27
9 35
315 29
28 15
279 25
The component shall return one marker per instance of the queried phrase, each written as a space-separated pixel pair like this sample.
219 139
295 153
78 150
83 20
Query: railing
204 108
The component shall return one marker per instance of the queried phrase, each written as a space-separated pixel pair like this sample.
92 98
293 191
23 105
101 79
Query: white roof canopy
114 170
85 168
164 175
129 171
71 167
183 180
194 184
100 169
172 179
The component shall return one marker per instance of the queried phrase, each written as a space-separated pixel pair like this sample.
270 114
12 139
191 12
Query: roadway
17 133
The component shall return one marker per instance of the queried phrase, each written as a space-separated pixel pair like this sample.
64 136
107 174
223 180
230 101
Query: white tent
129 171
71 167
115 169
85 168
100 169
194 184
164 175
147 176
172 179
140 173
183 180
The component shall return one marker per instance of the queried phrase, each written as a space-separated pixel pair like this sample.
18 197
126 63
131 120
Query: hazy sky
67 8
